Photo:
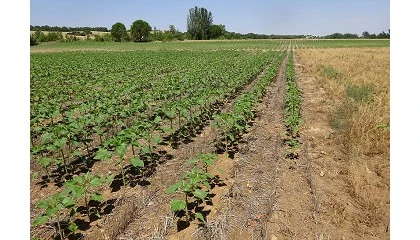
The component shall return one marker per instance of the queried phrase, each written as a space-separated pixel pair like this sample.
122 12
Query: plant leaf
45 162
136 162
157 120
207 185
109 178
121 149
200 194
156 139
42 204
167 130
73 227
73 211
177 205
77 190
46 137
231 136
200 216
51 148
60 143
173 188
40 220
145 149
192 161
67 202
103 154
97 197
96 181
77 153
52 210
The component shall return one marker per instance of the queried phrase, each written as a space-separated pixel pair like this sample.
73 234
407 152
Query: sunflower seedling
84 186
191 186
205 159
53 207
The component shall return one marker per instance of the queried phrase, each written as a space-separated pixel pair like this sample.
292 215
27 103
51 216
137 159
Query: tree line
68 29
365 35
381 35
199 27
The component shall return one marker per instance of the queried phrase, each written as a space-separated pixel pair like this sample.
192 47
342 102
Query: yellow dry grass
367 132
364 134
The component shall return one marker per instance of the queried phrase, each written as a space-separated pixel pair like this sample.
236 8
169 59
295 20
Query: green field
274 45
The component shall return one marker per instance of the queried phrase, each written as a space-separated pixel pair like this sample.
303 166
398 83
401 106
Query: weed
340 118
360 93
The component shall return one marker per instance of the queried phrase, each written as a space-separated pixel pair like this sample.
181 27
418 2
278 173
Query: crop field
255 139
191 45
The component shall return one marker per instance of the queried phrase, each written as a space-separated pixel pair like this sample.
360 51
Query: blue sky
266 16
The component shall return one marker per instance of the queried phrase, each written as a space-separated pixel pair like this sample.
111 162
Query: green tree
172 29
157 35
118 31
216 31
140 30
33 40
199 21
383 35
365 34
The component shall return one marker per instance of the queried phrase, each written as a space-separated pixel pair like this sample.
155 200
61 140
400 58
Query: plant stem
179 119
226 146
59 229
64 160
187 214
87 146
150 143
87 206
48 173
122 174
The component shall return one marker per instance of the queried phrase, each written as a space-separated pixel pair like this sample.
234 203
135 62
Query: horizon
306 17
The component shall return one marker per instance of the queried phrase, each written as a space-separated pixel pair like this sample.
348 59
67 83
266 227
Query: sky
308 17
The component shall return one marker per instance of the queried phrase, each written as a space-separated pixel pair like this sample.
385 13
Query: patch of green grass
329 72
360 93
339 119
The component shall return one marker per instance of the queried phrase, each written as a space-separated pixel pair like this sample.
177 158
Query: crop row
142 137
292 117
234 123
114 121
168 119
80 87
195 185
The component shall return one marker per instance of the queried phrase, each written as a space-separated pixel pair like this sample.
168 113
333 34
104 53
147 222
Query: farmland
239 45
210 139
